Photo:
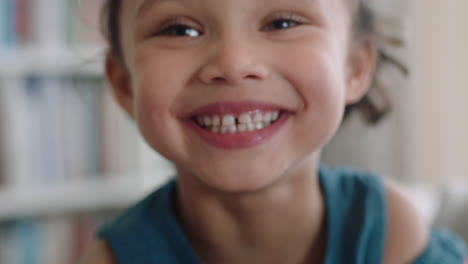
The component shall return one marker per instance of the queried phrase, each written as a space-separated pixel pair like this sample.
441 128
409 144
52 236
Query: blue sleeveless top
149 232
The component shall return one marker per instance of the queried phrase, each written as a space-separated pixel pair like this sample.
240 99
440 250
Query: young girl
242 95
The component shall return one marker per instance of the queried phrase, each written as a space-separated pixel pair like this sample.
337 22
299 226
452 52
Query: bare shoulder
407 232
99 253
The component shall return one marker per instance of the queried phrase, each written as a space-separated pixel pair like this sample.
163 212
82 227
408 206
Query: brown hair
374 106
110 25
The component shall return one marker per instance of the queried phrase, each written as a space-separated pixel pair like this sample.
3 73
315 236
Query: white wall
380 148
426 136
437 123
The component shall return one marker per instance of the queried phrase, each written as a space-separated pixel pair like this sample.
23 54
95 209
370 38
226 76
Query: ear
120 82
361 69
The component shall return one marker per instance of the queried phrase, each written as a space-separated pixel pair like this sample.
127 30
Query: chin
240 180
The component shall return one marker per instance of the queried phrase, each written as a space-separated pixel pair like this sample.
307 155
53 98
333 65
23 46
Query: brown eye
281 24
179 30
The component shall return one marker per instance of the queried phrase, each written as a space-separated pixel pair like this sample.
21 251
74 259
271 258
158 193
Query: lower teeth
235 129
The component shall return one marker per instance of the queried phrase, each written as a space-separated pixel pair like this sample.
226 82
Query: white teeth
233 129
267 118
246 122
258 117
207 121
241 128
275 116
259 126
216 121
229 120
224 129
245 119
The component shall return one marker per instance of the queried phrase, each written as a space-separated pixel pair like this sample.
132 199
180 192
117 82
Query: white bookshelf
52 61
51 87
88 193
85 196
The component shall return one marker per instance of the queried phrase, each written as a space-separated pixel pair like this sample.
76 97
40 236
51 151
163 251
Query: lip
238 140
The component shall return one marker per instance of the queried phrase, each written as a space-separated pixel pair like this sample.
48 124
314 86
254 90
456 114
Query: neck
278 224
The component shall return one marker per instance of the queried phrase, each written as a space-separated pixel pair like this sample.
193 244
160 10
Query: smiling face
238 94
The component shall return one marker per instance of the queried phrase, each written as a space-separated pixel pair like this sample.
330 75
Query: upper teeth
245 122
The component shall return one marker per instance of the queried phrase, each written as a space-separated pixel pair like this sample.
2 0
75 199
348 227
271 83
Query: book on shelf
62 129
3 130
57 130
49 23
84 24
61 134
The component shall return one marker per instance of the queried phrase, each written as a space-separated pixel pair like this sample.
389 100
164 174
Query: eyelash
290 18
172 28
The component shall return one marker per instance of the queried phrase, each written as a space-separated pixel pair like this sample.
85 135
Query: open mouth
243 123
238 125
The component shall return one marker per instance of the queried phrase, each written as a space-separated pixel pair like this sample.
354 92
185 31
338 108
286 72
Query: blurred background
70 159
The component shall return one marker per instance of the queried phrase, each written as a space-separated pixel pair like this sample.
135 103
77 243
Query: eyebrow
147 4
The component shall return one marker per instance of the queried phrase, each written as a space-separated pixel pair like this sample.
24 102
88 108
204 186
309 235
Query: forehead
139 7
144 4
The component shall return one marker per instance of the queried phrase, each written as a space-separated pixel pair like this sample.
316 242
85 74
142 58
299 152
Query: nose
232 63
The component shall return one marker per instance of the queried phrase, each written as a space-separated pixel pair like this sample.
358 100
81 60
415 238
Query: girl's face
198 76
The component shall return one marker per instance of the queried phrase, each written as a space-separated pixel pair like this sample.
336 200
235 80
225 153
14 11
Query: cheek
157 83
324 90
315 66
318 77
158 79
153 93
